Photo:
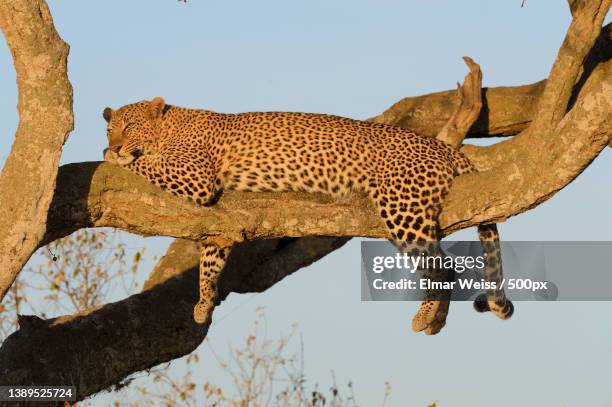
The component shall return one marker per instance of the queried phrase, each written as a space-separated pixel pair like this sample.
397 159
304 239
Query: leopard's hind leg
411 216
213 256
431 315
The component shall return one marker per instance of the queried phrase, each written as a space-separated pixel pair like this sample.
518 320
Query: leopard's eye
128 127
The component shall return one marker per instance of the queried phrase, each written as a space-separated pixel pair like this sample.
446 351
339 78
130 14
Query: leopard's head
132 130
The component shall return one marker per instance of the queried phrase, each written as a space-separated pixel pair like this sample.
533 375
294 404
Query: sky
354 58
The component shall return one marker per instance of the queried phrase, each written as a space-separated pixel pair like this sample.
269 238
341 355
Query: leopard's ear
156 107
107 114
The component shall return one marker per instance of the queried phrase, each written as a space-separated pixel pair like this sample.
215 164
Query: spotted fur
198 153
212 260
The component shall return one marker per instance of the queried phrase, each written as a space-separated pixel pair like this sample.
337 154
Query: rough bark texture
586 24
101 348
45 119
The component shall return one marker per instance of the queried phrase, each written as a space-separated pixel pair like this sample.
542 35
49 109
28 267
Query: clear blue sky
355 58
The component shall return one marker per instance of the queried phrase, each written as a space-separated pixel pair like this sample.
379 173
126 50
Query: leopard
197 154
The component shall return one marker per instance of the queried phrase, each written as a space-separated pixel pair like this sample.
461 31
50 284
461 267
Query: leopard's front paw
203 311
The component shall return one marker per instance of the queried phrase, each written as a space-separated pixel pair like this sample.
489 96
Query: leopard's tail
495 298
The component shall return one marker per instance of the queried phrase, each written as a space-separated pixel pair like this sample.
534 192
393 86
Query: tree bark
470 105
27 180
506 111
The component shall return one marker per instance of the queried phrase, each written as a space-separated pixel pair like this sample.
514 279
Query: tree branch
27 180
506 111
516 173
100 348
586 25
470 104
103 195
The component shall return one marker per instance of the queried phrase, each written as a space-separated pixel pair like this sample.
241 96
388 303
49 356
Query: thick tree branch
520 173
532 169
100 348
27 180
586 25
506 111
100 194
